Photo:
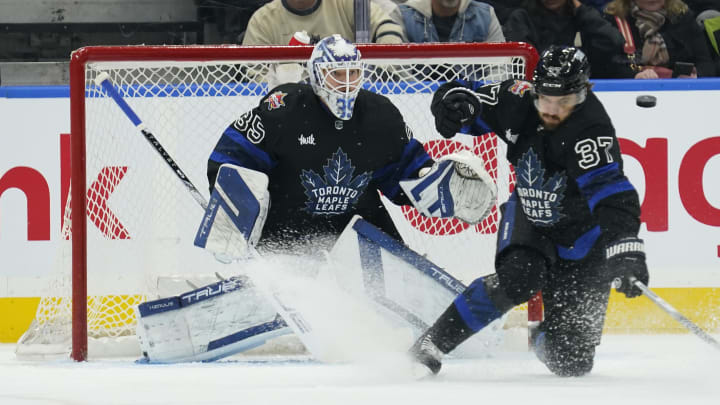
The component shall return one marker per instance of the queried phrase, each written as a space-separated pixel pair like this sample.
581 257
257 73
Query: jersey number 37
589 151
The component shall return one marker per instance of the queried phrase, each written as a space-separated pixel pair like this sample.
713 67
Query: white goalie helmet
336 74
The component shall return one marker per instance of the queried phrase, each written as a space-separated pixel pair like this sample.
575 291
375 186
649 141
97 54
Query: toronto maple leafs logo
337 191
541 200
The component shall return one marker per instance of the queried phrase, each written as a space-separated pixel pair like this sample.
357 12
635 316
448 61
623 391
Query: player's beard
550 121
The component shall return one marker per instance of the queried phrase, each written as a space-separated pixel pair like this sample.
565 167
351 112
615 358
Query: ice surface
635 369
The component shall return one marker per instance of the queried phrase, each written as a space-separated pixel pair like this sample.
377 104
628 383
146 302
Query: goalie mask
336 74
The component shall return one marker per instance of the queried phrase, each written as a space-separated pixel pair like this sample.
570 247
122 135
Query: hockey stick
670 310
103 80
299 325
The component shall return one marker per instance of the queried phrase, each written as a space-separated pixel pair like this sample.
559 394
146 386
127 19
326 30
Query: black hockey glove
453 107
626 259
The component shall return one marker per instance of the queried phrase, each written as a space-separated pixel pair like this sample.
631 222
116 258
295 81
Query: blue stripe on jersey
603 182
234 148
475 306
508 223
412 159
608 190
581 246
481 127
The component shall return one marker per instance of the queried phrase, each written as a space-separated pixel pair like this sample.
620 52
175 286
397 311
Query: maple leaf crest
337 190
541 200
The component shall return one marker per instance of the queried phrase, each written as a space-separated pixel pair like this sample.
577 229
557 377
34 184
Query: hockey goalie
291 175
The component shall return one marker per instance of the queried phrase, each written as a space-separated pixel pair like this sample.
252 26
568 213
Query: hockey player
328 147
570 226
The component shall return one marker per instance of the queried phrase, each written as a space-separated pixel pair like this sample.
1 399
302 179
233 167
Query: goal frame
81 57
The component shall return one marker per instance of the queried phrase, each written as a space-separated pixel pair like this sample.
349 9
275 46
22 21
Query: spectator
543 23
449 21
698 6
662 34
390 5
276 22
503 8
226 21
598 5
709 22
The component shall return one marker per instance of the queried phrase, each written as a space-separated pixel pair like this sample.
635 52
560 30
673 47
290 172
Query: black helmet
561 70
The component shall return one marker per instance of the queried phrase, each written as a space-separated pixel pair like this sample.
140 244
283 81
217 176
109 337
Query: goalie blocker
236 213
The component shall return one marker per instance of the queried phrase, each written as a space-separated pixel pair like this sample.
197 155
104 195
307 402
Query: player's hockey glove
453 106
626 259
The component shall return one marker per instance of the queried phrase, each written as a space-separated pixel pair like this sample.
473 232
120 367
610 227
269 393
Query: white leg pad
208 323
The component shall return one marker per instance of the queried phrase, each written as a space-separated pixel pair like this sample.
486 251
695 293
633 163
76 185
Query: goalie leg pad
232 317
456 186
402 284
236 213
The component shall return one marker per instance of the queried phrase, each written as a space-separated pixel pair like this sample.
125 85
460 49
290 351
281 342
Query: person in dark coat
663 33
543 23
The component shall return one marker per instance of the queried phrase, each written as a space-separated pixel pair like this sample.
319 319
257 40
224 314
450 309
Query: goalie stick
103 80
294 319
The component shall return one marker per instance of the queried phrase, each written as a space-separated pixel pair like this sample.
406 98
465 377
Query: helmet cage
337 84
336 74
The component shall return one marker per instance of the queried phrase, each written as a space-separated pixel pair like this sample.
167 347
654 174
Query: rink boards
672 155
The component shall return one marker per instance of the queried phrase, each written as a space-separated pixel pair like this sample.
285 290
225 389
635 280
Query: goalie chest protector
323 170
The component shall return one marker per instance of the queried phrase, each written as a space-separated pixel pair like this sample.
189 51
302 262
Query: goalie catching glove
456 186
236 213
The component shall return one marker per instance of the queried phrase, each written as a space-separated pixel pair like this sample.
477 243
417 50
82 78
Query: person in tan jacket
276 22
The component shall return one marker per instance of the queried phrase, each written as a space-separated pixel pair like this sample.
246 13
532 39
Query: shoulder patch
520 87
276 100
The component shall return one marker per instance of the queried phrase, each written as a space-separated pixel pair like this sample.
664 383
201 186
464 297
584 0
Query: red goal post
185 93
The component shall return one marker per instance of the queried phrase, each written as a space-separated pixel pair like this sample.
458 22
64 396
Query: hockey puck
646 101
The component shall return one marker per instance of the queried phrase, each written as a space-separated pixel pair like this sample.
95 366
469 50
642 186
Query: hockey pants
575 294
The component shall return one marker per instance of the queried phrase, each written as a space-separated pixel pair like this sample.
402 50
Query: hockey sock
449 330
481 303
475 306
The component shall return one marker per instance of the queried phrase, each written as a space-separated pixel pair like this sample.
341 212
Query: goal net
129 224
